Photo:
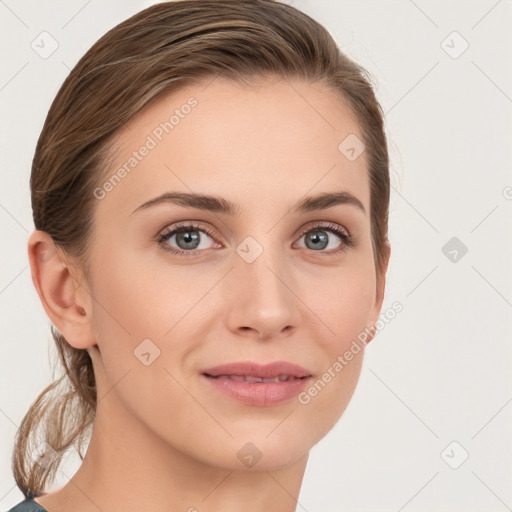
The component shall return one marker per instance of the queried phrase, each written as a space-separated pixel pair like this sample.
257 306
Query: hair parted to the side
160 48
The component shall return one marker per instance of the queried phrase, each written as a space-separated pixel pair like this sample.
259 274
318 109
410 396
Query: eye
189 238
318 238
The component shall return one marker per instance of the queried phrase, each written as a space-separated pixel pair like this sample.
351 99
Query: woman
210 195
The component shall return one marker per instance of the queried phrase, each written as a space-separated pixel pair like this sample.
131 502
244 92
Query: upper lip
266 371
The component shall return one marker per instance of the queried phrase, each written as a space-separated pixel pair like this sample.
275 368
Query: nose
262 303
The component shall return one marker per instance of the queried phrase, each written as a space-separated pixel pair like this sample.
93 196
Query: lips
258 385
279 371
251 378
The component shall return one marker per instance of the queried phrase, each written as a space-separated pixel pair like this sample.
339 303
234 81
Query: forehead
269 141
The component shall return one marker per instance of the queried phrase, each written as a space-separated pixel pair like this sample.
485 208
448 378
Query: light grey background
440 372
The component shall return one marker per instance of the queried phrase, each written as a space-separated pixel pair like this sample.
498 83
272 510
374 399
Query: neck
129 468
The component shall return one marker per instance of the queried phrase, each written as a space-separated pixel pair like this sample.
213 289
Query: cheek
137 299
343 301
133 312
329 394
344 306
143 307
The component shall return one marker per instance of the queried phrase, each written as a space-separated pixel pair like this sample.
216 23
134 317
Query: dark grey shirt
28 505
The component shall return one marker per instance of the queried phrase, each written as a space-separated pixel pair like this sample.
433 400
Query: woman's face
267 282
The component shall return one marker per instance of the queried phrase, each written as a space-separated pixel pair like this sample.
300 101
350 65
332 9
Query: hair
159 49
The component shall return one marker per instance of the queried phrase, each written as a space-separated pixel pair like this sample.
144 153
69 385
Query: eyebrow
221 205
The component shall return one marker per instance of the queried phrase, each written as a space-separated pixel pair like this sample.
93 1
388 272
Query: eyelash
348 241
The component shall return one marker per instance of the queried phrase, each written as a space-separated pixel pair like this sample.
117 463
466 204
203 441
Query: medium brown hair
160 48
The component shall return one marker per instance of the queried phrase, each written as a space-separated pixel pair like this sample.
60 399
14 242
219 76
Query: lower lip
260 394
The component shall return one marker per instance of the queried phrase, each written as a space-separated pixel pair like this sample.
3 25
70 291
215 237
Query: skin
163 439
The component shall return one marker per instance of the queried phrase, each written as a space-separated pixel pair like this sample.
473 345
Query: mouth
253 378
277 371
258 385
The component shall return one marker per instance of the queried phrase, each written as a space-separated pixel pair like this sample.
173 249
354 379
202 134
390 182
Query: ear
62 290
379 296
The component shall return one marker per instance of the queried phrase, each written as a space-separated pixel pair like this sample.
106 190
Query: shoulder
27 505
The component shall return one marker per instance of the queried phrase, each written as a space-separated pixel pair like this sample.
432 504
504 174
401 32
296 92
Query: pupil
191 240
319 239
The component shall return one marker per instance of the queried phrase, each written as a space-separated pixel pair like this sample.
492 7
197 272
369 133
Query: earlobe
61 292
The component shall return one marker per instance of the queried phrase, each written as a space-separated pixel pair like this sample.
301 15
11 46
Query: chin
256 451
